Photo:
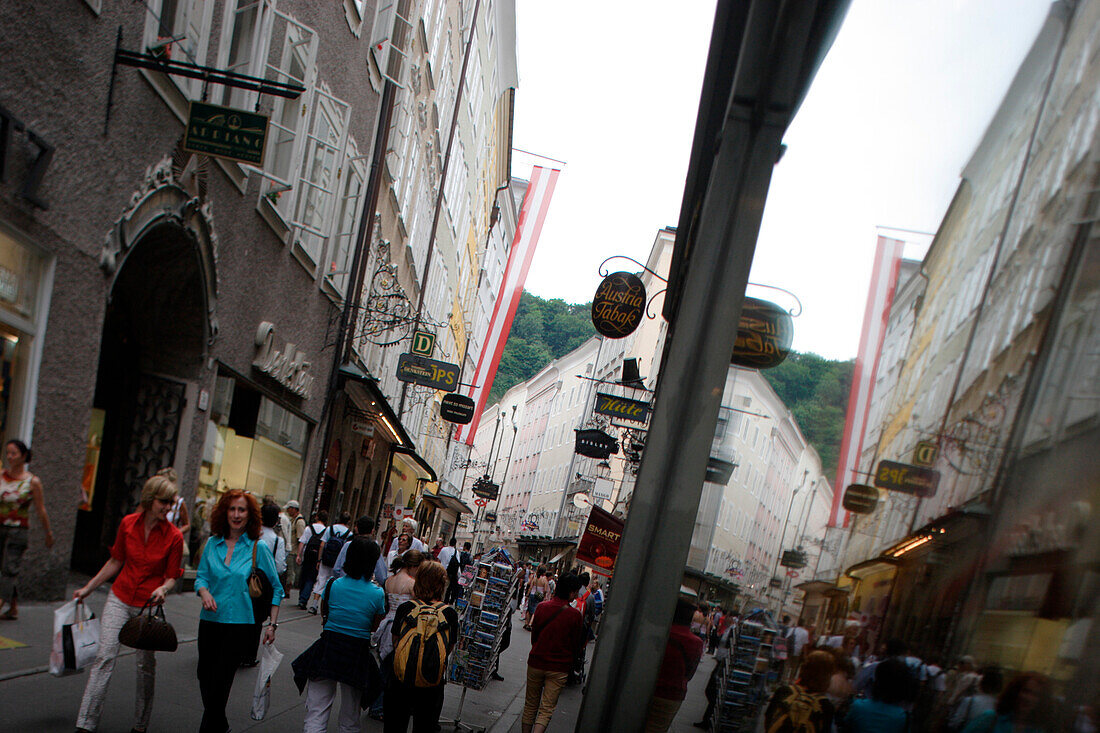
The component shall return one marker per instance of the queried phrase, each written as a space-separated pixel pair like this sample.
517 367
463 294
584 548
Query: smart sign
764 335
428 372
915 480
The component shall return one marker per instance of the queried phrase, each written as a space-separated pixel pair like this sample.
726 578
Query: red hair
219 517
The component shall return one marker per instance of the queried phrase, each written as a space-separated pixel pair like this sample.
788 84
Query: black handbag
260 590
149 630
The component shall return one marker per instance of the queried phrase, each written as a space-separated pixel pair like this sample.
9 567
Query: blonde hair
161 485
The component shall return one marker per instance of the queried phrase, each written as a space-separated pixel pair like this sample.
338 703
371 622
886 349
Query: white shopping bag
75 638
270 657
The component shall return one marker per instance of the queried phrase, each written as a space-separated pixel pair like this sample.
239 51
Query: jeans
320 695
221 649
115 614
543 689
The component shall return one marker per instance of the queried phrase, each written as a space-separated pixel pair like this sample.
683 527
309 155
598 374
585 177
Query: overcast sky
612 88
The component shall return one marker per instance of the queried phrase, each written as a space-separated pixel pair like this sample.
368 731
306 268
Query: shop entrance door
153 346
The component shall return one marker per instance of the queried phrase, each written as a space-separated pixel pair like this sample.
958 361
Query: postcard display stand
741 688
483 614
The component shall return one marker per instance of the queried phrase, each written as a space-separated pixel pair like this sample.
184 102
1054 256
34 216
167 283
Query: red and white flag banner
532 215
880 297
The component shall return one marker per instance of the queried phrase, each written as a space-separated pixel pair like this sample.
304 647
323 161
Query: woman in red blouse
146 557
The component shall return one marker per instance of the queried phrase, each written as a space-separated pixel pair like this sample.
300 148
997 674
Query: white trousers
320 695
115 614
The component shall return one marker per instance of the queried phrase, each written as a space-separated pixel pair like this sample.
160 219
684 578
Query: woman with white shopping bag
146 558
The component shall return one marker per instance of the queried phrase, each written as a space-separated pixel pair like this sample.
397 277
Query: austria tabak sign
619 304
599 545
627 409
764 335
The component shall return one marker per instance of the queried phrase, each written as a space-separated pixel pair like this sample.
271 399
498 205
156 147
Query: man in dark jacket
557 633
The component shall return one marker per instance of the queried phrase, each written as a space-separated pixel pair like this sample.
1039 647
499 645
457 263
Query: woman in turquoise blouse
1024 706
227 624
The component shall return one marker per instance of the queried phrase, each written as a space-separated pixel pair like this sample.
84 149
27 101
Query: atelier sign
915 480
457 408
428 372
619 304
860 499
764 335
287 365
628 409
595 444
226 133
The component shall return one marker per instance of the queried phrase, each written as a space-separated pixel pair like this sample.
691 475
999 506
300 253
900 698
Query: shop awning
560 555
861 570
376 401
446 501
420 464
815 586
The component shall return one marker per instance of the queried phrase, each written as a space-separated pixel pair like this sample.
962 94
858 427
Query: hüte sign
619 304
428 372
915 480
226 133
764 335
627 409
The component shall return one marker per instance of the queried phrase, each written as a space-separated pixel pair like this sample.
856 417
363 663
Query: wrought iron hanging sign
793 559
486 489
860 498
386 316
764 335
595 444
428 372
226 133
907 479
457 408
619 305
627 409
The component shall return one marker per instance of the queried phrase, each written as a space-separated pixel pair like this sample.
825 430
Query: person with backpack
801 706
351 608
557 632
683 651
309 554
425 631
332 541
448 558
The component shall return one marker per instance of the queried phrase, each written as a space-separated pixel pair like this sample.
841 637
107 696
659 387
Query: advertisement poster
599 545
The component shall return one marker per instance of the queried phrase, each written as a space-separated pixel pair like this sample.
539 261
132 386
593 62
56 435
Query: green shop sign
225 132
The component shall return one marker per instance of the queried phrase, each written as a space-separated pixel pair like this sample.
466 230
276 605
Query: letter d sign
423 343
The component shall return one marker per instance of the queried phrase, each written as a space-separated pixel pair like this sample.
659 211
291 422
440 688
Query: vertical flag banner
532 215
880 296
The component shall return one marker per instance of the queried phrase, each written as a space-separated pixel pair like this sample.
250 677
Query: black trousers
222 647
400 702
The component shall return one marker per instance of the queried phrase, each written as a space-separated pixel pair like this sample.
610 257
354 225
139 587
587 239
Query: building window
246 34
317 184
346 225
179 29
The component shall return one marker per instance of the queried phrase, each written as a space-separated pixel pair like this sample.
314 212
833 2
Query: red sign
481 502
792 573
599 545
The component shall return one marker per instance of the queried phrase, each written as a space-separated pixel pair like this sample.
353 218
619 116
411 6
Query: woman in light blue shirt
227 622
352 607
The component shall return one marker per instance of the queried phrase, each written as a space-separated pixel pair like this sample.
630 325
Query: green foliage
816 391
542 331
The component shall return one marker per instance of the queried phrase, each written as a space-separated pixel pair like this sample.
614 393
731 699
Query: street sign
776 583
627 409
860 498
423 343
915 480
619 304
485 488
481 502
764 335
926 453
792 573
428 372
595 444
491 517
225 132
457 408
793 559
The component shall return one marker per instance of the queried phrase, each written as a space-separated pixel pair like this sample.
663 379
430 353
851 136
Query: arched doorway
155 333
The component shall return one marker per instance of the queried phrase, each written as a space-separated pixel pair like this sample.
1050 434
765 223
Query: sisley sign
287 365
